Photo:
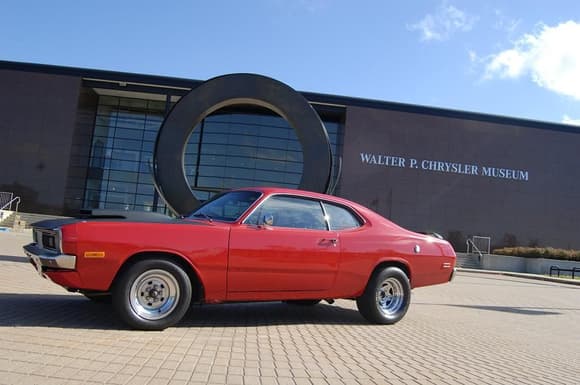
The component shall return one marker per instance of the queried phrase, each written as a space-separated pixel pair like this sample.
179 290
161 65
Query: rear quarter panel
380 241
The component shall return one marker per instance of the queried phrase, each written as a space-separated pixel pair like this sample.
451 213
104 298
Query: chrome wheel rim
390 296
154 294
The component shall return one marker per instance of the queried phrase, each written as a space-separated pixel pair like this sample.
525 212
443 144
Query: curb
575 282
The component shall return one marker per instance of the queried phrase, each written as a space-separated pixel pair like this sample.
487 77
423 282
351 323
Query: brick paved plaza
480 329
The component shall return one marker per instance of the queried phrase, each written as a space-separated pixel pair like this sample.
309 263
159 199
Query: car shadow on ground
76 312
524 310
13 258
269 313
511 309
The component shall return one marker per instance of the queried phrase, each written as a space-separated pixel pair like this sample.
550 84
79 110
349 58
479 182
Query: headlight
49 241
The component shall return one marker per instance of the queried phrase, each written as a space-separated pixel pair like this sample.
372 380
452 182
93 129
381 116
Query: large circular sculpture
248 89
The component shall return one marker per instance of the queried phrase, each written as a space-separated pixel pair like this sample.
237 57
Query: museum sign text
444 166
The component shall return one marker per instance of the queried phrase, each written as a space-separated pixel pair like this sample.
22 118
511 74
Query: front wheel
386 297
152 294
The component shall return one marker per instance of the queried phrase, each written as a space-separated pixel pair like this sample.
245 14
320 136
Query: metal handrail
557 269
473 247
15 200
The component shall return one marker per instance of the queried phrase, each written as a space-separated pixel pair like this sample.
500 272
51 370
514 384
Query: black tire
303 302
152 294
98 298
386 297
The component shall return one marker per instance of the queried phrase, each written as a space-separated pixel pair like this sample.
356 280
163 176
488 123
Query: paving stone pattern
480 329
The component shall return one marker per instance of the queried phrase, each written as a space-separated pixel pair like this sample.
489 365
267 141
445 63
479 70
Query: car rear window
340 218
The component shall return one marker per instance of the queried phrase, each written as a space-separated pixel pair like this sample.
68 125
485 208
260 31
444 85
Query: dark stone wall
37 123
542 210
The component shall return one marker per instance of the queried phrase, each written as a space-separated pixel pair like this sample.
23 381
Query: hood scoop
122 214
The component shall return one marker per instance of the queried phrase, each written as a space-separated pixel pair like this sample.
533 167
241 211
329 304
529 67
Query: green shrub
540 252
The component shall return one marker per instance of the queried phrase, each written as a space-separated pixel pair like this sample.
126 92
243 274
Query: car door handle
326 241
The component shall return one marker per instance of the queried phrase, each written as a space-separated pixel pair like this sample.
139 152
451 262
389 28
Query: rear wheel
386 297
152 294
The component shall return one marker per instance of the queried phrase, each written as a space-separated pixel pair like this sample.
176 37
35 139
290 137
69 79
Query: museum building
78 138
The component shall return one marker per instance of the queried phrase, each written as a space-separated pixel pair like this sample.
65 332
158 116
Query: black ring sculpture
169 172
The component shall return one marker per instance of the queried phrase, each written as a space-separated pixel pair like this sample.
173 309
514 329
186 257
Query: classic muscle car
253 244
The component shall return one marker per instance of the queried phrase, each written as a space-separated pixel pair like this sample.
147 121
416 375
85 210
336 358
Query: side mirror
268 220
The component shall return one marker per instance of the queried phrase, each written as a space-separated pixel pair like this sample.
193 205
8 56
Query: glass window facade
121 155
229 149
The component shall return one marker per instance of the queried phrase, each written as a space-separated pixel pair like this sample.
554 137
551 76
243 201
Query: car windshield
227 207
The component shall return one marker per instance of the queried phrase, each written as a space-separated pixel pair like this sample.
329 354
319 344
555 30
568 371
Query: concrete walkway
524 275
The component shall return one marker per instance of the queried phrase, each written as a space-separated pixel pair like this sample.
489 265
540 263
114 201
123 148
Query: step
27 218
7 218
469 261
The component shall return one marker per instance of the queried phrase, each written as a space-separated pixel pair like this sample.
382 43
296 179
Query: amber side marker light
94 254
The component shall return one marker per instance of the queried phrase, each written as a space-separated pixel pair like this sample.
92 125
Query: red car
256 244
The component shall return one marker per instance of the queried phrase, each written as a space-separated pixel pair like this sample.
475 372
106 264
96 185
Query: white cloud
549 56
568 120
443 23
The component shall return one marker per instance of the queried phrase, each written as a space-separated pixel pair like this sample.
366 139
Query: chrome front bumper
44 258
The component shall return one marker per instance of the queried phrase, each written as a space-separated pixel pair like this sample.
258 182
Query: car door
283 246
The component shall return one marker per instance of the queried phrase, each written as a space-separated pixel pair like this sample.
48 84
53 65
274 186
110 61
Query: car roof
270 190
365 212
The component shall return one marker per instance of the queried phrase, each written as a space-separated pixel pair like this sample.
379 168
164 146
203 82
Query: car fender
172 254
399 262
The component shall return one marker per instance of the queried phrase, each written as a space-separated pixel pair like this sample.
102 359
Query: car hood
107 216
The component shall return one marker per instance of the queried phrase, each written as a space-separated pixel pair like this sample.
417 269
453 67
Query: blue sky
514 58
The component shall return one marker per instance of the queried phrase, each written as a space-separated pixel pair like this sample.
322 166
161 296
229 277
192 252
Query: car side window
287 211
340 218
